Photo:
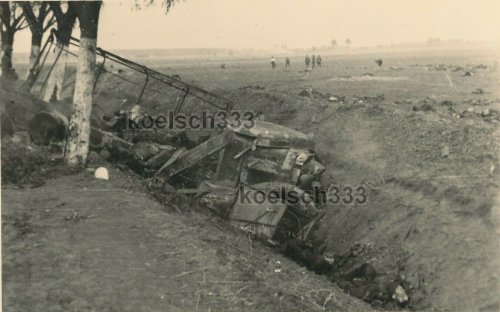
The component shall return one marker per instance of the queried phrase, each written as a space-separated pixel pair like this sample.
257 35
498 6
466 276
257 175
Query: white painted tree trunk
35 52
7 70
56 78
79 126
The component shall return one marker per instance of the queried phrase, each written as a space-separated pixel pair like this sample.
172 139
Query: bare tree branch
42 12
29 15
5 14
167 4
18 20
55 7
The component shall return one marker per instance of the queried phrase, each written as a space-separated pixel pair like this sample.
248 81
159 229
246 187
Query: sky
269 24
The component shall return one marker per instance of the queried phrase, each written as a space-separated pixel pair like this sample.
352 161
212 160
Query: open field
423 141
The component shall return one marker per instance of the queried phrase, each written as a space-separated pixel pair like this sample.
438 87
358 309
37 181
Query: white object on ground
400 294
102 173
445 151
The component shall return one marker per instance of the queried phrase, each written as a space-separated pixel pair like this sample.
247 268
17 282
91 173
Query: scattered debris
468 74
304 93
478 91
323 105
426 107
481 66
428 100
445 151
370 78
492 170
310 92
358 277
485 112
252 87
447 103
278 268
336 98
75 217
400 294
439 67
480 102
403 102
370 99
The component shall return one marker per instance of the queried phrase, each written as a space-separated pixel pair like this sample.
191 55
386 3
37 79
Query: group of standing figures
311 63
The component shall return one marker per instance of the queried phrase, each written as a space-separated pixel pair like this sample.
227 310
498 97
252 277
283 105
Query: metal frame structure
213 99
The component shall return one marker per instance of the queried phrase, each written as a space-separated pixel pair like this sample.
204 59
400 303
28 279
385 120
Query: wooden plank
195 155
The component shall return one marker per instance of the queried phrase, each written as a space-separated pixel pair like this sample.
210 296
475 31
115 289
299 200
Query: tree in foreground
11 20
77 146
87 12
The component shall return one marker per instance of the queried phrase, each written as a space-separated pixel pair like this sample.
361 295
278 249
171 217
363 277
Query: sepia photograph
239 155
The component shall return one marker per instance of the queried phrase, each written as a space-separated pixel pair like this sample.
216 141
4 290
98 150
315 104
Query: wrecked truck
263 179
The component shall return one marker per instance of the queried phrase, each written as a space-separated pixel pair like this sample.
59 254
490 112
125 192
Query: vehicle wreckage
243 174
240 173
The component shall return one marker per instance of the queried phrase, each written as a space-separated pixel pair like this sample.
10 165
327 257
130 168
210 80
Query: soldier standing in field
287 62
273 62
313 61
308 60
318 61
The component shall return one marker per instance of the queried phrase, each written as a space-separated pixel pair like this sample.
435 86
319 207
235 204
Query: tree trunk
55 81
36 41
36 28
78 141
79 127
7 48
54 85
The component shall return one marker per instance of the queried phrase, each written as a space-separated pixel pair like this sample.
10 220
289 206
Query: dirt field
424 141
80 244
